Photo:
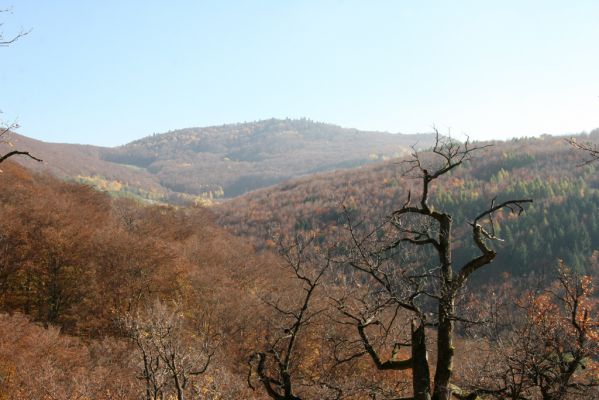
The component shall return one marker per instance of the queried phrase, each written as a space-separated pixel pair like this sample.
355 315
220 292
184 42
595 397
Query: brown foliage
40 363
542 344
74 258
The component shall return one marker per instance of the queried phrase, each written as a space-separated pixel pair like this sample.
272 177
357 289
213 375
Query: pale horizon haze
110 72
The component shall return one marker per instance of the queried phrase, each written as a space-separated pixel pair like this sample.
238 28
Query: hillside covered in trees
79 269
107 298
196 164
562 223
287 259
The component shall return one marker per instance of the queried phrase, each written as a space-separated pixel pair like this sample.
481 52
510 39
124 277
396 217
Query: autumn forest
461 271
286 258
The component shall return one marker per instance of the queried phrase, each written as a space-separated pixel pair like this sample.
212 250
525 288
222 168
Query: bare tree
406 264
170 355
543 344
276 366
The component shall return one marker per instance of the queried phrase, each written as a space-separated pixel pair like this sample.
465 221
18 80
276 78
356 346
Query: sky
109 72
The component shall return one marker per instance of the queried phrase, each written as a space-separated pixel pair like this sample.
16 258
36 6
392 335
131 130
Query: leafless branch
17 152
8 41
277 376
591 150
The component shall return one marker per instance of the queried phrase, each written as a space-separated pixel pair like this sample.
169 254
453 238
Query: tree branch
17 152
395 365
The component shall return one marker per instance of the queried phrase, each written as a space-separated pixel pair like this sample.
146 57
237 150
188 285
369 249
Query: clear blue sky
108 72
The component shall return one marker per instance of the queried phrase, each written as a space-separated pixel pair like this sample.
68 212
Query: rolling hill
219 161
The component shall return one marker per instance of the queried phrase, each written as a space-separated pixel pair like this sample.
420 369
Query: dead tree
426 291
168 357
276 365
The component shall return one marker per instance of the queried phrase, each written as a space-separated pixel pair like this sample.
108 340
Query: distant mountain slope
218 161
237 158
74 160
563 221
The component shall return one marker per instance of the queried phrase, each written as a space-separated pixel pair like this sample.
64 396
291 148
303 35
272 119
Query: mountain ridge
220 161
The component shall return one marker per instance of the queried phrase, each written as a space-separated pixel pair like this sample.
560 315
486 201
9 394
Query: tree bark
421 380
445 350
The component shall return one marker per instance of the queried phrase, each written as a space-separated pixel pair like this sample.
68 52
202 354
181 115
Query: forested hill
196 164
563 221
76 259
232 159
78 162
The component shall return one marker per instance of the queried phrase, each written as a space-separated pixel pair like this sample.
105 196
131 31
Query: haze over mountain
220 161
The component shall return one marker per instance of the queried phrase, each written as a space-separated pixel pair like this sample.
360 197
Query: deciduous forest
463 271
